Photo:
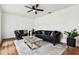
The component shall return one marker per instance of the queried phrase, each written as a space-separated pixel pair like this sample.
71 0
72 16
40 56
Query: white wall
0 25
64 20
11 22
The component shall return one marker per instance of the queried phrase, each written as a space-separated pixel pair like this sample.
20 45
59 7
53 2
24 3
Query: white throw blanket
46 48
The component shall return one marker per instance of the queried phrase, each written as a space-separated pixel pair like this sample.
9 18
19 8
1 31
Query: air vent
49 12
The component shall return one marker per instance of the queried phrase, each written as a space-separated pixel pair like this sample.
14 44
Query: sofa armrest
17 35
20 33
55 38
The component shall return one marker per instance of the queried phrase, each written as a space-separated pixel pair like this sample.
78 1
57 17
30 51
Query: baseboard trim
8 38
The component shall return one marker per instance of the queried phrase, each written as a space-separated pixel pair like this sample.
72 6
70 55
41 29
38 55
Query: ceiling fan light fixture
34 10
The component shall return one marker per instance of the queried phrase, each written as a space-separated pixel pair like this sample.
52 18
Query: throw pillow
18 31
43 32
51 33
25 31
47 33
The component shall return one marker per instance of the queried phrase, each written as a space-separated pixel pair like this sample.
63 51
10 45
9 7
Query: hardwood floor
71 51
8 48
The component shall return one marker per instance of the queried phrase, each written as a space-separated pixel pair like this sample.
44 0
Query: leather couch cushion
25 31
21 31
50 36
38 32
48 32
43 32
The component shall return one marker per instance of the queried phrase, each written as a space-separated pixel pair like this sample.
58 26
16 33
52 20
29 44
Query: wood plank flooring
71 51
8 48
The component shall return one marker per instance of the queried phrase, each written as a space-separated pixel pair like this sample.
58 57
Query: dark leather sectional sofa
50 36
20 33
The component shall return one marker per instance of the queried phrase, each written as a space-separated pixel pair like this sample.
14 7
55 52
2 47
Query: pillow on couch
43 32
51 34
25 31
21 31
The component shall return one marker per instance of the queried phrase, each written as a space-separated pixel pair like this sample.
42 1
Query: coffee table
32 41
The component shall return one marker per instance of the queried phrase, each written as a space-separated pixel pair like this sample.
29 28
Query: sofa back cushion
51 33
43 32
48 32
25 31
38 32
21 31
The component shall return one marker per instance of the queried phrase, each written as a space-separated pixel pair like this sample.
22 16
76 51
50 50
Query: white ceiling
19 9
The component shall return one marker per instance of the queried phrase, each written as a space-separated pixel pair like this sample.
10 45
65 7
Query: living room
55 17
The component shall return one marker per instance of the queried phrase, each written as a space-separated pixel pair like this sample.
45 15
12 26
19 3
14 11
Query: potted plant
71 37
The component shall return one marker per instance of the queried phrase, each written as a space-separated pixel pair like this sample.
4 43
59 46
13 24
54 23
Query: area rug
46 49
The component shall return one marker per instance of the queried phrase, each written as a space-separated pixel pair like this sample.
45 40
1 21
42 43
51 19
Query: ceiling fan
34 8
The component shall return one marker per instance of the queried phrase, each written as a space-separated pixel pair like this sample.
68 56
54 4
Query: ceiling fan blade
33 7
29 11
37 5
40 9
35 12
28 7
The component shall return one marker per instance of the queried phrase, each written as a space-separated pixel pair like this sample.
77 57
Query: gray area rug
46 49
